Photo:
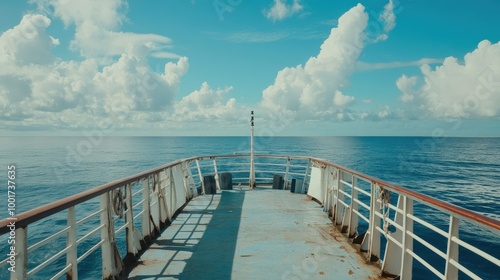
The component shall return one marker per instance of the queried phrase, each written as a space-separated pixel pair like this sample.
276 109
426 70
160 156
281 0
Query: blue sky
199 67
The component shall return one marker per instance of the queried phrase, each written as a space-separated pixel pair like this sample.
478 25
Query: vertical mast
252 167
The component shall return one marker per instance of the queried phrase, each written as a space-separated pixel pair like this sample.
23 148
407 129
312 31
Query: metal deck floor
261 234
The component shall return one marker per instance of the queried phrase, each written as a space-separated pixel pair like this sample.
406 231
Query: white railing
120 218
373 212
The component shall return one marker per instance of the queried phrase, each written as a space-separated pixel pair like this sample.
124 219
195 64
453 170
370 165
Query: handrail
31 216
339 192
450 208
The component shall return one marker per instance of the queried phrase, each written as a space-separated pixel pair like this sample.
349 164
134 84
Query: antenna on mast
252 166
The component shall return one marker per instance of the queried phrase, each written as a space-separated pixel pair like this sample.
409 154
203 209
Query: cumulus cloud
28 42
97 28
455 89
315 89
281 10
37 88
206 103
387 19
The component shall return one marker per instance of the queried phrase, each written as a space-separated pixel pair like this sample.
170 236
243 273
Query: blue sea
463 171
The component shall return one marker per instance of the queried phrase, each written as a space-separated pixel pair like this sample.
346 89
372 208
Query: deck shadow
213 256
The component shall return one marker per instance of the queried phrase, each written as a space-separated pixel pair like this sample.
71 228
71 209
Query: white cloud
281 10
97 28
363 66
388 20
406 84
37 89
27 42
342 100
206 103
458 90
314 90
388 17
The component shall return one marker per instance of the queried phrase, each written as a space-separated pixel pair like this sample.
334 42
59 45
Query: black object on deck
278 182
210 186
226 181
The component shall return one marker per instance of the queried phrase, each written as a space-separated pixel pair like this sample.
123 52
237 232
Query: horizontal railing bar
89 216
121 228
390 221
363 191
362 204
378 214
137 192
49 260
298 166
89 234
270 164
389 237
296 173
433 202
46 240
25 218
154 203
427 244
62 272
345 193
343 203
346 183
361 216
424 263
479 252
395 208
464 270
138 203
269 171
138 214
428 225
89 251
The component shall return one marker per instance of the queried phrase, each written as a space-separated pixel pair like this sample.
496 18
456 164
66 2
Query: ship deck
243 234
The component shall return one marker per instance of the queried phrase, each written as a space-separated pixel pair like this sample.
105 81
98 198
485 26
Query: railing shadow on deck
200 242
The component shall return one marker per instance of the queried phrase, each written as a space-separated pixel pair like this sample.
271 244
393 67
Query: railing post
21 270
353 217
393 257
107 235
216 175
374 234
132 248
201 177
156 202
287 170
306 184
330 187
163 176
146 213
451 272
339 207
71 255
407 241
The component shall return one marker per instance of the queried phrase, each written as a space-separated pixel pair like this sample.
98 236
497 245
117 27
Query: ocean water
463 171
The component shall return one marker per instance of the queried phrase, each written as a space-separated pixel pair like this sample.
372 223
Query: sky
198 67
